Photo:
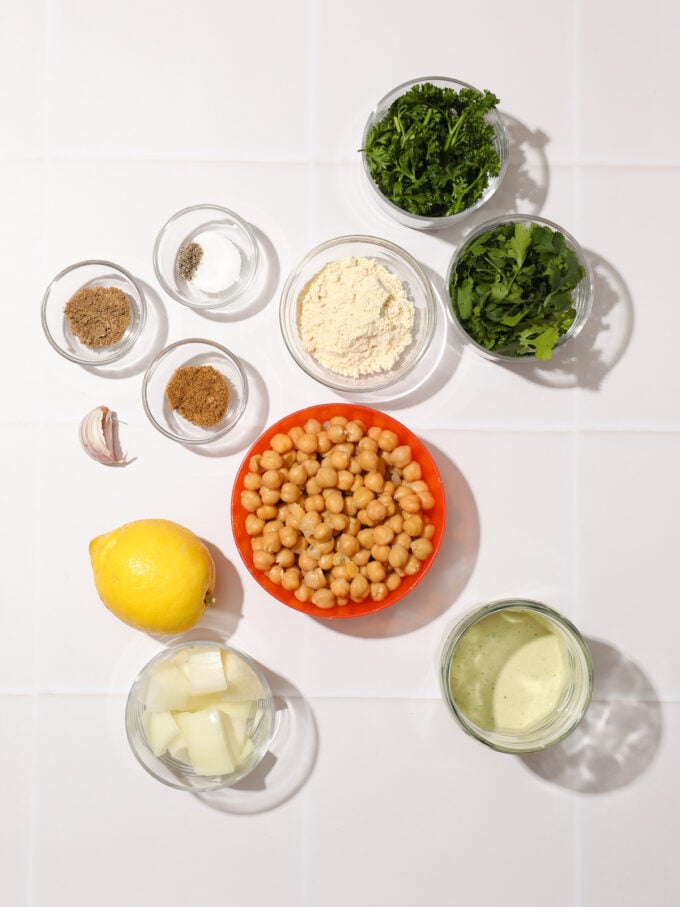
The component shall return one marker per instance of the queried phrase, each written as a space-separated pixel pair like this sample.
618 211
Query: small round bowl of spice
357 314
93 312
205 256
434 150
194 391
519 288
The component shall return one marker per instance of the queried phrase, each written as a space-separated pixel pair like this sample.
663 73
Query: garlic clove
98 437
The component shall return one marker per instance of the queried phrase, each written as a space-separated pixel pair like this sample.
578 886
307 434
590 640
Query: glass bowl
395 260
192 352
582 295
259 723
417 221
181 229
90 274
371 417
500 660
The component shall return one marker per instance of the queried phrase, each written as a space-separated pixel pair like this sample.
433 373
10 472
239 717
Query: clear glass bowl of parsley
434 150
519 288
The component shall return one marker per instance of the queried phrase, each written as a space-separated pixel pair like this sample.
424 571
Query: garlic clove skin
97 437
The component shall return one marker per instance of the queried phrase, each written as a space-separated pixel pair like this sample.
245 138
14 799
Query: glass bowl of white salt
357 314
205 256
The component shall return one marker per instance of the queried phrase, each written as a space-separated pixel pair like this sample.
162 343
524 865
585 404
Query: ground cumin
98 316
199 394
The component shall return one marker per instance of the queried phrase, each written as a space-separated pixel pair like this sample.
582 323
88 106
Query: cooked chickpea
427 501
250 501
396 522
326 561
353 526
374 482
262 560
375 572
253 524
337 420
388 503
323 598
323 442
376 511
275 574
281 443
393 582
254 463
387 440
428 531
378 591
257 544
358 588
322 532
348 545
335 502
412 566
401 456
398 556
354 466
413 526
340 588
355 430
369 460
252 481
312 487
272 543
272 478
412 471
383 535
421 548
315 579
306 443
297 475
291 580
381 552
410 503
315 502
309 522
338 522
345 480
290 492
362 557
311 467
336 433
285 557
270 495
327 477
403 539
339 459
312 426
267 512
365 538
288 536
270 459
363 496
303 593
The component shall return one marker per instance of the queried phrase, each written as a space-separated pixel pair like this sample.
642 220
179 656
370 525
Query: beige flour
354 317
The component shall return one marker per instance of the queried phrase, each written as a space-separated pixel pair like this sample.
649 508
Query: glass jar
517 675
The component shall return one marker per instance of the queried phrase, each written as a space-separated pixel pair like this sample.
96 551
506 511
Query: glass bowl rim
253 259
151 370
582 314
286 302
454 637
107 360
165 654
443 220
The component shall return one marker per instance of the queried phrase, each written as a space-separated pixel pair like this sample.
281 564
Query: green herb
433 152
512 289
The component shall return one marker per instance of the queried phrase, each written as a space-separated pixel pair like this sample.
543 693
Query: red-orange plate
371 417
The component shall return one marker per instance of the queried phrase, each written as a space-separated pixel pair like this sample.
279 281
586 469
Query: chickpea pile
337 513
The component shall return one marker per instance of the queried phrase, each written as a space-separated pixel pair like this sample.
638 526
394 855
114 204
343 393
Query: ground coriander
98 316
199 394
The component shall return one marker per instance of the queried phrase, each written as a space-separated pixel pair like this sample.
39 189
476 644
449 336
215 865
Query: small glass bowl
395 260
574 698
417 221
582 295
192 352
177 774
90 274
181 229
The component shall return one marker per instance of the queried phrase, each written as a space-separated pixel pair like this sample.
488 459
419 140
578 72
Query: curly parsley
512 289
433 152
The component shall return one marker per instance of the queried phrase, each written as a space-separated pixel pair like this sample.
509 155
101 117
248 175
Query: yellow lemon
154 575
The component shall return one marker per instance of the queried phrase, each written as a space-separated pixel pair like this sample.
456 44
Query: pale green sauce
509 671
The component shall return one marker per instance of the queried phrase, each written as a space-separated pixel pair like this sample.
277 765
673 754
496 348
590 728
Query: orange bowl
371 417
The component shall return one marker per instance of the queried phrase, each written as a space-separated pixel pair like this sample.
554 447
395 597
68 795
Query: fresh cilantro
512 289
433 152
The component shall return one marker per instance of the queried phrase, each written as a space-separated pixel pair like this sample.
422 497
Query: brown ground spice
199 394
189 259
98 316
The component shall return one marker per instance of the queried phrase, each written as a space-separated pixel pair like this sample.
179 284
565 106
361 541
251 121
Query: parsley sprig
512 289
433 152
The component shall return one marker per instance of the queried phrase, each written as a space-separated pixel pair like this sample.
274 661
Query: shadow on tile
151 341
585 361
262 290
448 575
288 764
619 736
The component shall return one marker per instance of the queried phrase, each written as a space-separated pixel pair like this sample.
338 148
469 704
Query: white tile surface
561 481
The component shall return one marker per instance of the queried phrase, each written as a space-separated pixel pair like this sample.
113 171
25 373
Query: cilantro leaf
512 290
